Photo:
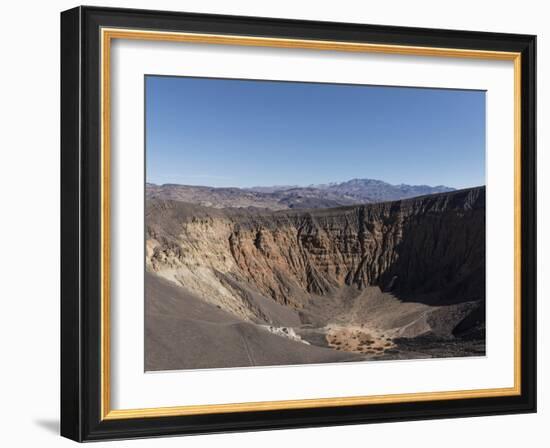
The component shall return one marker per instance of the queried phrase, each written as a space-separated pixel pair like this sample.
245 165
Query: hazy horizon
244 134
306 186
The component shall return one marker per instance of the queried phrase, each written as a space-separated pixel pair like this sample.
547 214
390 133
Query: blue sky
243 133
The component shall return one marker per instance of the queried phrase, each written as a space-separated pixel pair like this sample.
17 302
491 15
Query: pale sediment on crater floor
285 332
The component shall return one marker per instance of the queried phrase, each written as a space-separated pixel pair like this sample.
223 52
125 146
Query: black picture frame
81 224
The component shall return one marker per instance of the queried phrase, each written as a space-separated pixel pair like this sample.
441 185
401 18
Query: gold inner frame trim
107 35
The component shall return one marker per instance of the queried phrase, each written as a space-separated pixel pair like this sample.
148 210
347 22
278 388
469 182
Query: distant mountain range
354 191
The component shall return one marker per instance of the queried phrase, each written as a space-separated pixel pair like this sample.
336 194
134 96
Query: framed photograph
273 223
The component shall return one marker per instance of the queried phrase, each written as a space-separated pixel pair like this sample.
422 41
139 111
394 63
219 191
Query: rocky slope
375 273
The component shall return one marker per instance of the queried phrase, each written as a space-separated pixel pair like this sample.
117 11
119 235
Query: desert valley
360 270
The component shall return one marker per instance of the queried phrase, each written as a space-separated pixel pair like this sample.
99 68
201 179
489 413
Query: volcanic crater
252 286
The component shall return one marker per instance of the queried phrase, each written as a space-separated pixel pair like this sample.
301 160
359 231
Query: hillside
368 280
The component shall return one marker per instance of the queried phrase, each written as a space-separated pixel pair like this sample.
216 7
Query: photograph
291 223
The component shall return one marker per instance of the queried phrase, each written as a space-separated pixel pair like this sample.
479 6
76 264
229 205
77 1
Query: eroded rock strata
364 279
